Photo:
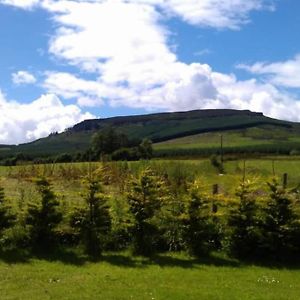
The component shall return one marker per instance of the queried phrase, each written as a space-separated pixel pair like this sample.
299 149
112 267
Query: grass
251 137
120 276
66 178
68 275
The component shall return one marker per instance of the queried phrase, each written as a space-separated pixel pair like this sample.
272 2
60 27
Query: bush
217 164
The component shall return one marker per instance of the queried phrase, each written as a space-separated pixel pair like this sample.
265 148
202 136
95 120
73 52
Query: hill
162 127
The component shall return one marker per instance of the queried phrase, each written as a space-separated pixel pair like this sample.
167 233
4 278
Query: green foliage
216 163
145 198
6 217
200 227
281 225
244 222
126 154
145 149
64 158
108 140
43 217
93 221
171 222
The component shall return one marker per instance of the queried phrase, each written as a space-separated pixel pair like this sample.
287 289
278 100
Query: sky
64 61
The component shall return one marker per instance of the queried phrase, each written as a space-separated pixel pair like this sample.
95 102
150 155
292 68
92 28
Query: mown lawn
120 276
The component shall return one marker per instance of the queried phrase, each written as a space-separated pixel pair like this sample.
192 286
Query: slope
157 127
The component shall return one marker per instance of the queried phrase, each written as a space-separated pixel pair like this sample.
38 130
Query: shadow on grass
14 256
291 263
125 259
190 262
167 260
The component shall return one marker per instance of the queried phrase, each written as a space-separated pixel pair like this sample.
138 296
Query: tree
200 228
6 218
172 222
93 221
43 217
281 227
145 198
245 224
108 140
145 149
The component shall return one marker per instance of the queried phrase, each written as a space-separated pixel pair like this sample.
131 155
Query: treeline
107 144
154 214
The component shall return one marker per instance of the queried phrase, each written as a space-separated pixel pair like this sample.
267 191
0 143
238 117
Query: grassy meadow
265 139
119 275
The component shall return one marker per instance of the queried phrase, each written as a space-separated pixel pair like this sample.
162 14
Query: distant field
121 277
266 139
234 138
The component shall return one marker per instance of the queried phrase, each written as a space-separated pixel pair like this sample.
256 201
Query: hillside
159 128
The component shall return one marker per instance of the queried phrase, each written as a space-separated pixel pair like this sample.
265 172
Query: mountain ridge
158 127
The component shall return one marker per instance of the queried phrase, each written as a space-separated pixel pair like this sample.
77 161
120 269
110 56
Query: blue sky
63 61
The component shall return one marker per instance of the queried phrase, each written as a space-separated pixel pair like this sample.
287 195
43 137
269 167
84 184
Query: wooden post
285 180
215 191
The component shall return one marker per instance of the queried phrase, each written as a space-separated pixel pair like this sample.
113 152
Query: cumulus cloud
285 73
136 67
21 123
23 77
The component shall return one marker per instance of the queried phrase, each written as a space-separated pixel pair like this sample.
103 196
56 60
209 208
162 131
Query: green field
120 276
257 139
69 274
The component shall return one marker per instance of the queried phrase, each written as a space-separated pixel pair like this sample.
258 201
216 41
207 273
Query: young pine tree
43 217
145 197
244 223
172 217
280 228
201 229
93 221
6 218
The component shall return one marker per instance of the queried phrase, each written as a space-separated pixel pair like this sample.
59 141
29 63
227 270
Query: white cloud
285 73
25 4
26 122
23 77
126 48
219 14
